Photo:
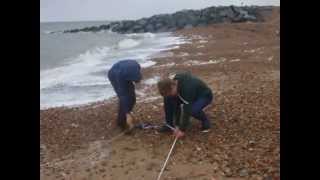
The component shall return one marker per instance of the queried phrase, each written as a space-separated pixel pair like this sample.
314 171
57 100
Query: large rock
104 27
149 28
241 15
142 22
184 19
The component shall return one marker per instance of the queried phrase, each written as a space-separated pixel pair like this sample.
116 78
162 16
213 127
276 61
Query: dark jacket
190 88
121 75
129 70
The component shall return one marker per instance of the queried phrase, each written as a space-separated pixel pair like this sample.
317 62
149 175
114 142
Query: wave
151 81
143 35
84 79
128 43
47 32
90 82
71 100
52 32
147 64
79 68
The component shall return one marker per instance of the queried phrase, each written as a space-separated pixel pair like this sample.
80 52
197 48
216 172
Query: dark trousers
172 109
126 95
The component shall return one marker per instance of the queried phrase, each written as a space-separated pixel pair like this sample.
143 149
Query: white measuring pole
174 143
165 163
172 128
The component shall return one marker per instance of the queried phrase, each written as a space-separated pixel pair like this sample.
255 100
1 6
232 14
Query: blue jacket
121 75
129 70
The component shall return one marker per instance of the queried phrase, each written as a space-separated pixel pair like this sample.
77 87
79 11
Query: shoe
205 126
164 129
205 129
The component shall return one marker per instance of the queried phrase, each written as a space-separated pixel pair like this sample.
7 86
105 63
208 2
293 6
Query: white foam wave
48 32
147 64
198 63
144 35
132 35
167 65
89 82
83 80
80 69
128 43
71 100
152 80
148 35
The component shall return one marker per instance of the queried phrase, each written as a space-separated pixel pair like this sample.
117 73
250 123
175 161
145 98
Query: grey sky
76 10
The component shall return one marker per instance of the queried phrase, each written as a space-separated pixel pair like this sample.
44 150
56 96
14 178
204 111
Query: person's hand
178 133
130 121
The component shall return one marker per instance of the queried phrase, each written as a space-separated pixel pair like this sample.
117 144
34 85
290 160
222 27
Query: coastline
240 62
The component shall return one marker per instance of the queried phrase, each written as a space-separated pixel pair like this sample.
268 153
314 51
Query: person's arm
169 109
183 123
186 109
185 120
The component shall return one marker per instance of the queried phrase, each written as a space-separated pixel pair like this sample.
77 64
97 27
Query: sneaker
205 130
164 129
205 126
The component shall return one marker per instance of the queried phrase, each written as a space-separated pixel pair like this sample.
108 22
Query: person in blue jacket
122 76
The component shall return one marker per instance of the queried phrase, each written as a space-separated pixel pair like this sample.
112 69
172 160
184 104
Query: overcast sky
77 10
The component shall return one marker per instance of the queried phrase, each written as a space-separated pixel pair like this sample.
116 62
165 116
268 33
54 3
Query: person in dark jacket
185 95
122 76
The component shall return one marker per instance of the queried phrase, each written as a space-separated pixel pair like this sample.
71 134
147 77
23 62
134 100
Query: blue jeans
171 107
126 95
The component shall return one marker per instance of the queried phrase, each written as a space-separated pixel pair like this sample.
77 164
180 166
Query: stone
149 28
215 166
74 125
141 22
182 19
243 172
228 172
188 26
105 27
256 177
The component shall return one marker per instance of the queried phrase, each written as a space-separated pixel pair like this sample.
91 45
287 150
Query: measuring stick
165 163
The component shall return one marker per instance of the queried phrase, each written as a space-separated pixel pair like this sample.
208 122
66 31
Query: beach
240 62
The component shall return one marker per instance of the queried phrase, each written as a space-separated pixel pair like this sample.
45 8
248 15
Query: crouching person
185 95
122 76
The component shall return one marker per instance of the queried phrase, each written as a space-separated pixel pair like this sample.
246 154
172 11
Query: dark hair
165 86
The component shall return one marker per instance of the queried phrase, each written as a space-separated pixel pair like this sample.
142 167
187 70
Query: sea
74 66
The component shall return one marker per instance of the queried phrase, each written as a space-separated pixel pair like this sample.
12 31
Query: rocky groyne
183 19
